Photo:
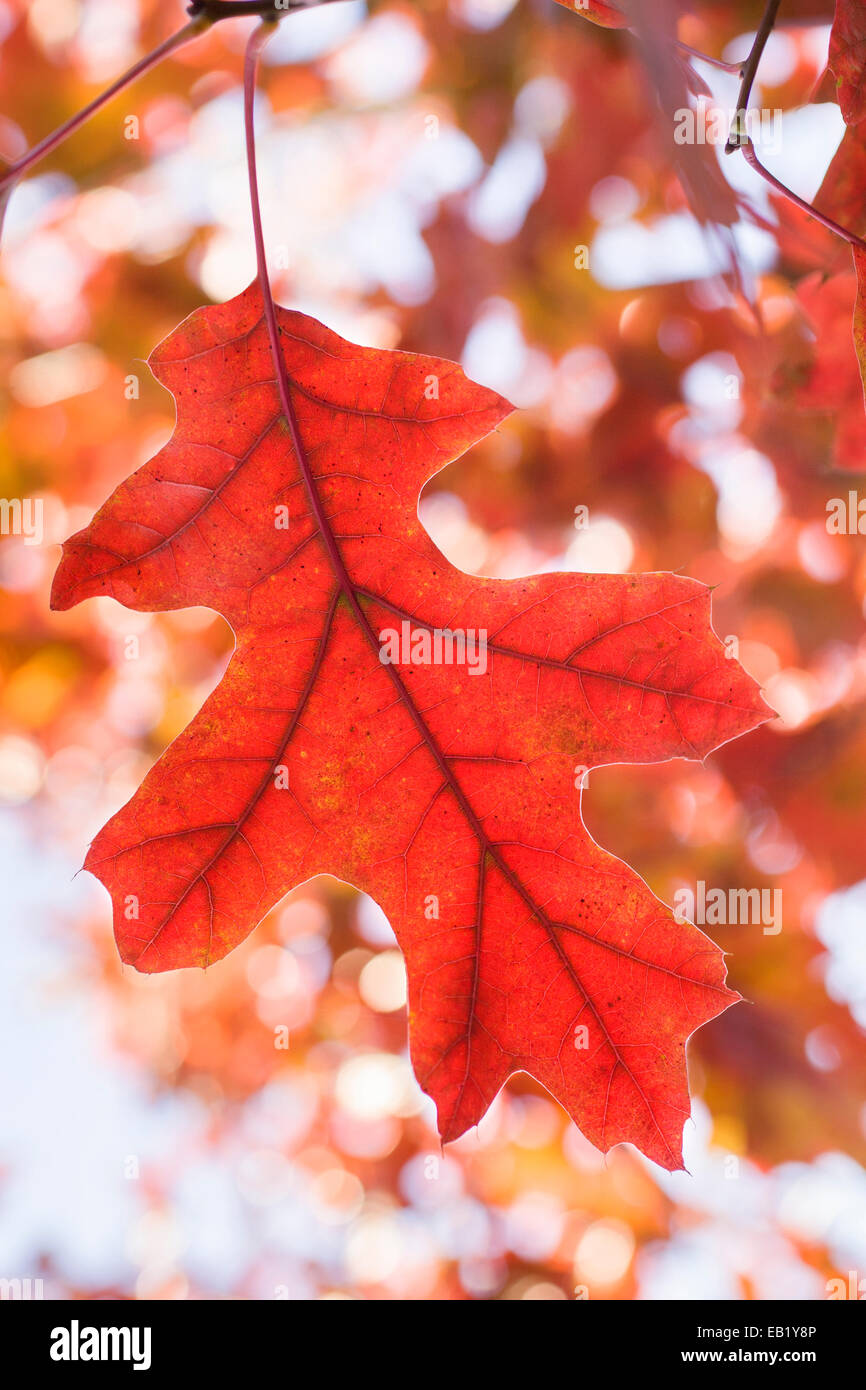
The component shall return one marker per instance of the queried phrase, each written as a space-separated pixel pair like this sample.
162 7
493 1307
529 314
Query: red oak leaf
848 58
445 789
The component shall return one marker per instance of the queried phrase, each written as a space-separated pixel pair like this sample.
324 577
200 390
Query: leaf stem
753 161
738 137
256 43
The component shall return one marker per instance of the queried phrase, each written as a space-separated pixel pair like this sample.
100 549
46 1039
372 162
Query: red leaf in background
675 80
860 317
598 12
841 193
848 58
834 380
448 794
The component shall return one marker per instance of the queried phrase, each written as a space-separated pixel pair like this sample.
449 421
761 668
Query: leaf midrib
350 592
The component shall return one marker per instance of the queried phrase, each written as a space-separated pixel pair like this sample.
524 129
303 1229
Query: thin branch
705 58
189 31
752 160
738 137
203 13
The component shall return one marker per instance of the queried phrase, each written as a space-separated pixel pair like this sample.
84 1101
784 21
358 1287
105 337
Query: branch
266 10
33 156
738 138
203 13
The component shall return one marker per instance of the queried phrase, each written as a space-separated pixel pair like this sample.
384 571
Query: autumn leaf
447 789
859 326
841 193
848 58
840 197
675 82
598 12
830 379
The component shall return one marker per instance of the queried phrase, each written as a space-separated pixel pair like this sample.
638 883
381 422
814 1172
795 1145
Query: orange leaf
354 734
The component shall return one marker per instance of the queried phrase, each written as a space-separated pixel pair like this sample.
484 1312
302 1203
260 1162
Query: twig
738 137
203 13
705 58
272 10
189 31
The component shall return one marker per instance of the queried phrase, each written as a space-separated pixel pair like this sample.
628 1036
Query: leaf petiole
752 160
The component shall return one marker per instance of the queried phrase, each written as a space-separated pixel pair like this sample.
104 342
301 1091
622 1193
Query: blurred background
492 182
